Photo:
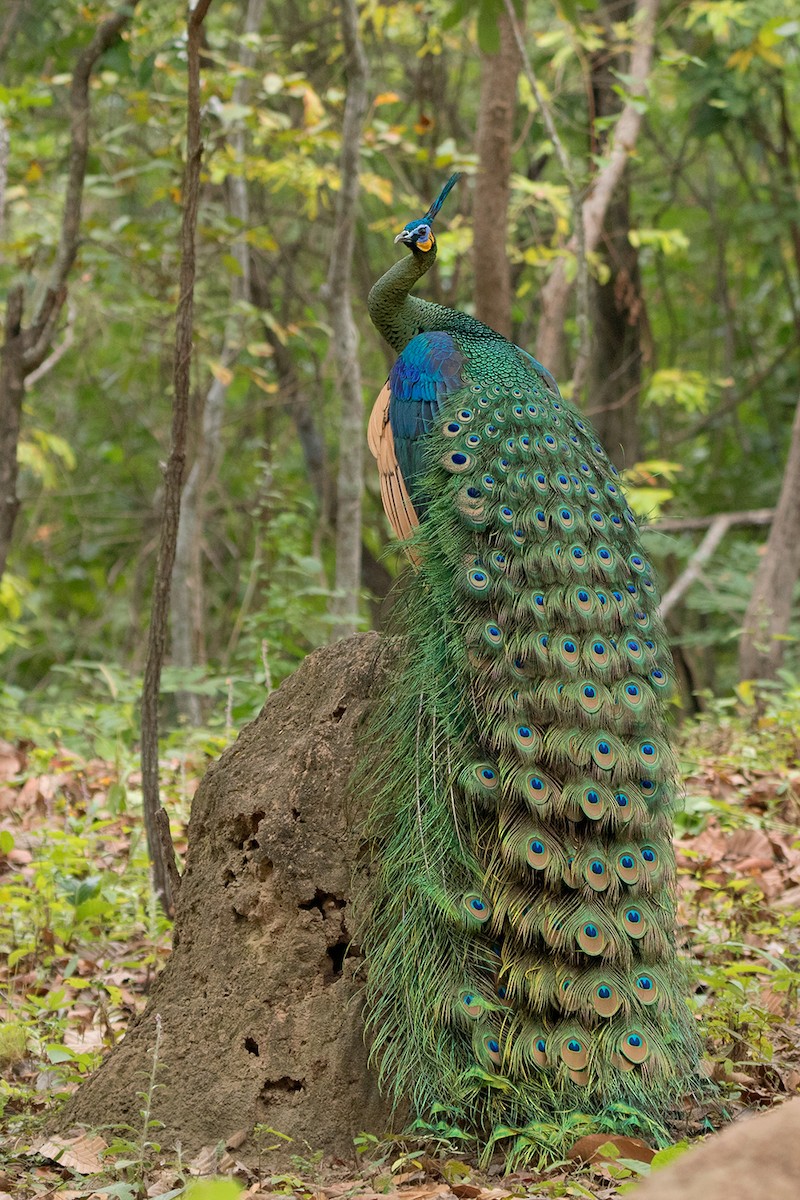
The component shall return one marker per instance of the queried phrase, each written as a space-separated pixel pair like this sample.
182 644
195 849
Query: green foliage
713 199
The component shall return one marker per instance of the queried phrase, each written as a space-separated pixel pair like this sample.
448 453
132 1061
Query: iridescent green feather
521 923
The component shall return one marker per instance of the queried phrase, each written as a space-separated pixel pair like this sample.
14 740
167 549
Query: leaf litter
82 942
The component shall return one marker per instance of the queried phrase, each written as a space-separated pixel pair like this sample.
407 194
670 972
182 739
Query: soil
259 1004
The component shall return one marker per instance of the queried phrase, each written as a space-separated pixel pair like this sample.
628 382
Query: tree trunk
615 365
259 1004
350 481
769 612
617 306
26 349
156 820
188 601
557 292
496 110
12 391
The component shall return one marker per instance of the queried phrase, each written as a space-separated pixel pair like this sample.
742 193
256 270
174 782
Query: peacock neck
397 315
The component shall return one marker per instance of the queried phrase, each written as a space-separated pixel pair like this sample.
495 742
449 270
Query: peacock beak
403 236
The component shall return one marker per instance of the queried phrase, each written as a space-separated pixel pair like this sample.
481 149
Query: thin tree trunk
350 481
557 292
159 842
12 390
496 110
25 349
615 364
769 612
188 601
618 317
5 148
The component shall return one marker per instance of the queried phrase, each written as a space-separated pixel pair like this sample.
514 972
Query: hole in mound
323 902
245 829
338 713
284 1084
336 954
251 1046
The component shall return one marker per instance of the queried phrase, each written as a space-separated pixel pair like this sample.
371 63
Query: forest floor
81 940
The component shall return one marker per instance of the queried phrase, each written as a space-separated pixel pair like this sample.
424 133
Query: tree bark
188 600
615 364
766 622
617 306
350 480
12 390
496 110
557 291
159 846
24 349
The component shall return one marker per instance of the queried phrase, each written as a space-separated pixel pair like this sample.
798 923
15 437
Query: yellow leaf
386 98
377 186
769 55
269 388
222 374
33 173
741 59
313 108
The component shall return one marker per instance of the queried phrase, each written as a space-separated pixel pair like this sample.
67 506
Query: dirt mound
259 1004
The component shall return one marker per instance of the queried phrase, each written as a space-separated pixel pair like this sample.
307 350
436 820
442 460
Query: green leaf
458 12
116 798
488 26
662 1157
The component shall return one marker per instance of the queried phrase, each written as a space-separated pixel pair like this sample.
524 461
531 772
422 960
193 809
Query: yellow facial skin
426 245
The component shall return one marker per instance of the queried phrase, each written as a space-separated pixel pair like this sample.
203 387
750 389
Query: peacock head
418 235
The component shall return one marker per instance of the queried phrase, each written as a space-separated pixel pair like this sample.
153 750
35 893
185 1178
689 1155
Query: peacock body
522 969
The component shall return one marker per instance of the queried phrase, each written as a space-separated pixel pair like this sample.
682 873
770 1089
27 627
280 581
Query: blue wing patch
425 374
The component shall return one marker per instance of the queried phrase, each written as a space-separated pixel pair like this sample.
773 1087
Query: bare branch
61 349
717 526
747 516
159 843
54 295
716 532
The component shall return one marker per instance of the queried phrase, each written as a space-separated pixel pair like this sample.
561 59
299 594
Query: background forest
694 304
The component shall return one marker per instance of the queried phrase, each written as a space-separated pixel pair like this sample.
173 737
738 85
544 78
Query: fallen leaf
204 1162
81 1153
592 1148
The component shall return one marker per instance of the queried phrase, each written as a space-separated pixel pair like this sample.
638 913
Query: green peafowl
522 970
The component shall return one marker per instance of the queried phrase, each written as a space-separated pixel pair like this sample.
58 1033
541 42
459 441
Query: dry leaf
589 1148
204 1162
81 1153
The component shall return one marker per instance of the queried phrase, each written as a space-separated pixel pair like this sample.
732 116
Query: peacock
522 975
